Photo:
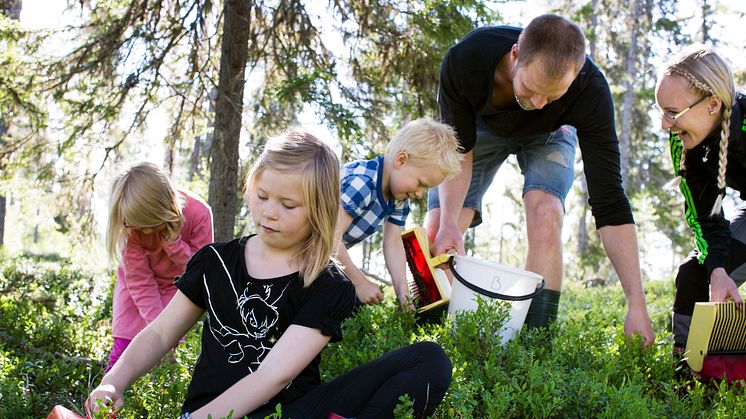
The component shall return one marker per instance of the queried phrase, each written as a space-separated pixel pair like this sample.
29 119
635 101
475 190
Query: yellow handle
421 235
438 260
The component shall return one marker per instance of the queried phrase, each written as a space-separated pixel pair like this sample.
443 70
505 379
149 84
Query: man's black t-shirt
246 316
465 92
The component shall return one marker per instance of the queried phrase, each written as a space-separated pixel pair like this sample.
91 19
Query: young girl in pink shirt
153 231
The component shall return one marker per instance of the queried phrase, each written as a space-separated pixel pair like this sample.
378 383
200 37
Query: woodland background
197 86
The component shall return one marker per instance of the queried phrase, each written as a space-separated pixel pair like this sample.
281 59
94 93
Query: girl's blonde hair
297 151
429 144
709 75
142 197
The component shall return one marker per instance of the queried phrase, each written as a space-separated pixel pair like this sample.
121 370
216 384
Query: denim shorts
546 162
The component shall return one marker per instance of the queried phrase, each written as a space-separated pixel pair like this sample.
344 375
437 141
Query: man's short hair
429 143
557 42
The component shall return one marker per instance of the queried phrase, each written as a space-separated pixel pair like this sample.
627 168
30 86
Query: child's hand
407 305
104 397
368 292
171 231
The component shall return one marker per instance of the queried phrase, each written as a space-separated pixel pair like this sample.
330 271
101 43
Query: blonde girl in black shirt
273 301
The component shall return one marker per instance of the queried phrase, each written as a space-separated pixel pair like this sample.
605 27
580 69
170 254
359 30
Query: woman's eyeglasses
672 117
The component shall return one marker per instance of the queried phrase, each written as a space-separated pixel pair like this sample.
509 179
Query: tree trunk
705 28
594 25
12 9
202 145
366 254
223 188
583 194
3 130
194 158
2 220
629 92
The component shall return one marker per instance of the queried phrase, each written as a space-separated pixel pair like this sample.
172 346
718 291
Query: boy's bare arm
396 262
367 291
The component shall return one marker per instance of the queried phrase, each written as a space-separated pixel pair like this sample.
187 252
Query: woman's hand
722 287
105 397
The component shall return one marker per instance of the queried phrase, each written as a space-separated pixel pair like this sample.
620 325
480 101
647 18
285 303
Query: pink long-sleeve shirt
145 278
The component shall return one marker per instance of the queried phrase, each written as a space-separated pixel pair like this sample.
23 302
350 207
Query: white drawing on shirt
258 315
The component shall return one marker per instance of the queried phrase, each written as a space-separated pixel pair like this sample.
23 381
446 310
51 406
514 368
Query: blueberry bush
54 338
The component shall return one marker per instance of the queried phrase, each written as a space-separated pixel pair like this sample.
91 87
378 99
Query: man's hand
637 322
620 243
368 292
722 287
448 239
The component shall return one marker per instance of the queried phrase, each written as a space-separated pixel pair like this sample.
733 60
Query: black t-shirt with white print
246 316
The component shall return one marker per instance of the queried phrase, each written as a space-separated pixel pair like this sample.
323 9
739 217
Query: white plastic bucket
490 280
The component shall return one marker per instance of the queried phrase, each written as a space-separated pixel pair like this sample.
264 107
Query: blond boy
376 193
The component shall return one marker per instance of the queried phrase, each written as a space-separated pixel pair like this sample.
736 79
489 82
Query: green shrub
52 334
55 334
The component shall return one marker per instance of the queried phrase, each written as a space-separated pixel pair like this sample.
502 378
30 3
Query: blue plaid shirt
362 198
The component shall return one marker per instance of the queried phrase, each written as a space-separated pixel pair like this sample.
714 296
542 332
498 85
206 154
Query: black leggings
693 286
421 370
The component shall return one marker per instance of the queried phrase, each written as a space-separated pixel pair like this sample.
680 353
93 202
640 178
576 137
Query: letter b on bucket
493 281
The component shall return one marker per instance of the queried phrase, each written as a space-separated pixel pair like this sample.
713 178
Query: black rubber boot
543 309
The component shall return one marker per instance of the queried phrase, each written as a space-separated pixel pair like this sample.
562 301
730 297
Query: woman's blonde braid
722 159
696 84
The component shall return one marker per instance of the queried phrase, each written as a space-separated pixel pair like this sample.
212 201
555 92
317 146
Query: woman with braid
704 115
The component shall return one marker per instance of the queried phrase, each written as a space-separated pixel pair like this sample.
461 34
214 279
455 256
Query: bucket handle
491 294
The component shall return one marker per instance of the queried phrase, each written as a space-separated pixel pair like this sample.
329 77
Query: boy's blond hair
143 197
297 151
429 144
